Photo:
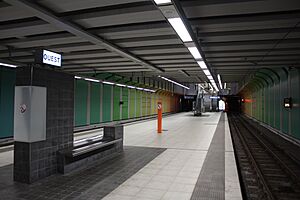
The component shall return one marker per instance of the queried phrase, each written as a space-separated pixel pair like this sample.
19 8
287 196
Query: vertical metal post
159 116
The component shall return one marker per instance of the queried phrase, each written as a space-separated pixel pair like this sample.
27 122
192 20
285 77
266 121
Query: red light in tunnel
248 101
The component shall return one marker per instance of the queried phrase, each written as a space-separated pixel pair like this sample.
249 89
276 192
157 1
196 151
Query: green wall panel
153 102
106 105
267 108
144 104
138 103
125 103
116 107
268 102
132 103
272 93
295 111
7 90
95 103
149 103
263 104
285 112
81 93
277 105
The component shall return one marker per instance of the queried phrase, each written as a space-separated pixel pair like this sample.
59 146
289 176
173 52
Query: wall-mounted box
30 113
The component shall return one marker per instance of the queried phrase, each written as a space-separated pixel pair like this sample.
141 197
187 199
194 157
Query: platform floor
192 159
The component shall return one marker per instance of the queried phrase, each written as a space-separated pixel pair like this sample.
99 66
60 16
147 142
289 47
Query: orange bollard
159 117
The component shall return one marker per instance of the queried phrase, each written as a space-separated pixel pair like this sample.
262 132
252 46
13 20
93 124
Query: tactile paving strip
211 182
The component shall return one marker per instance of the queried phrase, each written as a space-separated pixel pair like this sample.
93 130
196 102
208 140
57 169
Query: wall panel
81 94
7 90
106 106
95 103
125 103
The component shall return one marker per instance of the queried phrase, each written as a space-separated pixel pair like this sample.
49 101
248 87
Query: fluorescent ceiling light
159 2
174 82
117 84
195 53
220 83
121 85
224 85
180 29
206 72
210 77
109 83
148 90
92 80
215 86
202 64
8 65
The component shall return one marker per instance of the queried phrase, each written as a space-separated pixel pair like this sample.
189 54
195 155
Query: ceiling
132 38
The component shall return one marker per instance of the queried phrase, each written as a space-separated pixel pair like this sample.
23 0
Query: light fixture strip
108 83
180 29
120 85
183 32
8 65
210 77
111 83
174 82
206 72
162 2
202 64
195 52
92 80
220 83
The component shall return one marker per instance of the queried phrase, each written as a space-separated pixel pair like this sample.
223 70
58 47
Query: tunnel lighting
77 77
195 53
159 2
220 83
121 85
224 85
180 29
202 64
108 83
206 72
129 86
174 82
8 65
92 80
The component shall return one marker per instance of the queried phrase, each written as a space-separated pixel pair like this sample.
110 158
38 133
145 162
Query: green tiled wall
7 92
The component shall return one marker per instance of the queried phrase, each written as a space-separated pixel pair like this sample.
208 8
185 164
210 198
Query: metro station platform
192 159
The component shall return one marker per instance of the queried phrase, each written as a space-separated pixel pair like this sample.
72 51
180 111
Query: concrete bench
91 150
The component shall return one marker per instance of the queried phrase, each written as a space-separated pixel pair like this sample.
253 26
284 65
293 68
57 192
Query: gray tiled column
34 161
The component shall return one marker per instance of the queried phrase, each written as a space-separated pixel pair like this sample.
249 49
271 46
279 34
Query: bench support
68 162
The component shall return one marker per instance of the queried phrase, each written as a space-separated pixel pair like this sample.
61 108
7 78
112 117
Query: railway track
267 172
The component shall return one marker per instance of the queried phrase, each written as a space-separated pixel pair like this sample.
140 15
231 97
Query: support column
36 160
